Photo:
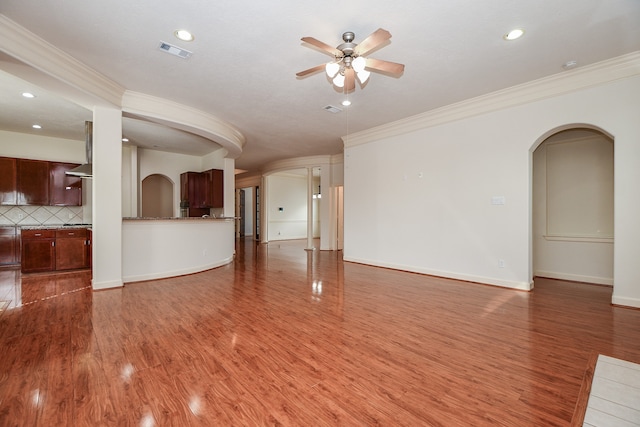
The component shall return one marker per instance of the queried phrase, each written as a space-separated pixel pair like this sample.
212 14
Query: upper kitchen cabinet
64 190
202 190
38 182
216 187
8 177
33 182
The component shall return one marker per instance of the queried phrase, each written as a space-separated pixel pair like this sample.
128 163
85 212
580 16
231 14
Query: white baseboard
574 277
625 301
175 273
98 286
511 284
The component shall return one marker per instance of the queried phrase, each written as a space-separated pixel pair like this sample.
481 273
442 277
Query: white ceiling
246 55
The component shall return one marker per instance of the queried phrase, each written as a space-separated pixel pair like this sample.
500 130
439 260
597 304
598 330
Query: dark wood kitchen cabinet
9 244
64 190
8 181
55 249
194 189
71 249
215 178
38 250
33 182
202 190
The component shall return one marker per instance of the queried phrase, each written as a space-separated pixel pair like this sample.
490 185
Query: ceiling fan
349 60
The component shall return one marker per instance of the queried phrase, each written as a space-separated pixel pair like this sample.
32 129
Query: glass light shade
338 80
358 64
332 69
363 76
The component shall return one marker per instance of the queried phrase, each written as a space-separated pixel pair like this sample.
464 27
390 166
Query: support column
107 198
309 209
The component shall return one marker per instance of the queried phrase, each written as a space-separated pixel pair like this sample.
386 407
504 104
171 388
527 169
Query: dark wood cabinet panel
64 190
194 189
9 246
216 187
71 249
55 249
33 182
8 181
38 250
202 190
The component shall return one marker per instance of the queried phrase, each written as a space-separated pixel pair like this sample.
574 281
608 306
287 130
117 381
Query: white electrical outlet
501 263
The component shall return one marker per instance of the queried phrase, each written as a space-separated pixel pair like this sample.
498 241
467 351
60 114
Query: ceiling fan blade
311 70
349 80
385 66
322 46
374 40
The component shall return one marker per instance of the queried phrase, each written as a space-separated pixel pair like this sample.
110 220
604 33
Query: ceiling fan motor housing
348 47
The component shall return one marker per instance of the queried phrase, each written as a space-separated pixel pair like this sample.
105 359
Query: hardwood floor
284 336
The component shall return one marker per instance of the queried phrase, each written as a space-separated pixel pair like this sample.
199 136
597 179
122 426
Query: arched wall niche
575 253
157 196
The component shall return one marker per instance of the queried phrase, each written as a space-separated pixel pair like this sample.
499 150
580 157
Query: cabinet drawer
38 234
7 231
71 233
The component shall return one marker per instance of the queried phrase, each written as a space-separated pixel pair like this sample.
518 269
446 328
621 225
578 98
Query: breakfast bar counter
154 248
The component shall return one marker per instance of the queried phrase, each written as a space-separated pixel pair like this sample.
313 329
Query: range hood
85 171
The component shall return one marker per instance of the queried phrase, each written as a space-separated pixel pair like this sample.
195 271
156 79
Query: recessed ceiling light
28 95
514 34
36 127
125 139
346 102
184 35
569 65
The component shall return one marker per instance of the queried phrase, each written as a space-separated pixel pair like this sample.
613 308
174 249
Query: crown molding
183 117
569 81
30 49
298 163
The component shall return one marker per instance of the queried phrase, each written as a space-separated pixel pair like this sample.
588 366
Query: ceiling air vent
332 109
175 50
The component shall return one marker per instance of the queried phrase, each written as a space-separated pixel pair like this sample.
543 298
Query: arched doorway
572 206
157 197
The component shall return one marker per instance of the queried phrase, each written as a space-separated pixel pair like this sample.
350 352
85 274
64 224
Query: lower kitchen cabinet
71 249
38 250
9 244
55 249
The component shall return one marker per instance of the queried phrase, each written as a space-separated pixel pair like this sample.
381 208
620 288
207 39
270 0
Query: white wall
170 165
289 192
29 146
422 200
587 257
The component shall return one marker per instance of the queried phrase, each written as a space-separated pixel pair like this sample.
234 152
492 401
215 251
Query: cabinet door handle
53 243
38 234
71 233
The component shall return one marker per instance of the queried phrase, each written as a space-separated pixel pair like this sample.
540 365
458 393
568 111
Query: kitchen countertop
52 226
197 218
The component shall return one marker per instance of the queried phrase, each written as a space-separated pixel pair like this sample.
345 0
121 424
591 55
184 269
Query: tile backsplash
40 215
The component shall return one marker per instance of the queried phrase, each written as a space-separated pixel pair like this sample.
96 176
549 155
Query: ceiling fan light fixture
363 76
332 69
338 80
358 64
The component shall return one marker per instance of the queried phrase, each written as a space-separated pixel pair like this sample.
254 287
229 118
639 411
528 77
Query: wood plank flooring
289 337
